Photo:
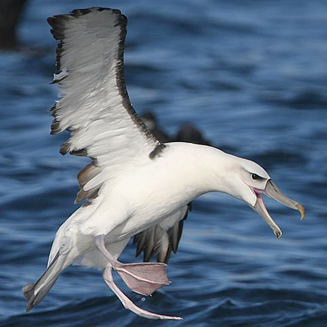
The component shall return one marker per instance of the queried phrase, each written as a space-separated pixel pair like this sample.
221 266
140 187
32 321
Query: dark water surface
252 75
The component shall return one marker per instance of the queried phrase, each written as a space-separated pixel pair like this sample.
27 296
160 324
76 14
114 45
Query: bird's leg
127 303
143 278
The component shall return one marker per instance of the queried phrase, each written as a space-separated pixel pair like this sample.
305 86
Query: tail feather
34 293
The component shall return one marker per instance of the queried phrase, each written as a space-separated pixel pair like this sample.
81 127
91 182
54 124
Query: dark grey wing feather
159 240
175 234
150 242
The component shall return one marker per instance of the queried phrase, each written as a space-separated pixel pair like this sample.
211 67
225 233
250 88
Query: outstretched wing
94 105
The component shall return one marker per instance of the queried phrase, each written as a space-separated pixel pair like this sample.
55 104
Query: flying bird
135 185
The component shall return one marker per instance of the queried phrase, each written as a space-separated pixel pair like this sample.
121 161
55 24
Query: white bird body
135 185
147 192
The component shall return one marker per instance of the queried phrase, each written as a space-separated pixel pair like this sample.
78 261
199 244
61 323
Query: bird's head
249 182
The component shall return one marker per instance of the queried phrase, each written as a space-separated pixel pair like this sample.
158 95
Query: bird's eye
255 176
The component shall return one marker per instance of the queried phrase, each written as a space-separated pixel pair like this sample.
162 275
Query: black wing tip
85 11
56 20
64 148
55 127
79 152
157 151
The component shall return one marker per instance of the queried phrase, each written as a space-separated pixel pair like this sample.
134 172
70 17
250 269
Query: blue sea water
252 75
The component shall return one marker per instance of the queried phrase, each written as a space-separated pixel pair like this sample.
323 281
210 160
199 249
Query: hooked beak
273 192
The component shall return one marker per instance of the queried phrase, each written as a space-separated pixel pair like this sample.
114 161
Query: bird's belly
136 201
143 220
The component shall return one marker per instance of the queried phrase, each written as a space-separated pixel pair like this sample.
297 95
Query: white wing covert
94 105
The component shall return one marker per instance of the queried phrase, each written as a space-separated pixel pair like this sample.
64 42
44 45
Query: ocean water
252 76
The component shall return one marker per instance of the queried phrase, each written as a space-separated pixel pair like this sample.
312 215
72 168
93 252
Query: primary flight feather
135 185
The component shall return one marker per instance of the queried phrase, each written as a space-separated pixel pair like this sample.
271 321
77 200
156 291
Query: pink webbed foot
127 303
143 278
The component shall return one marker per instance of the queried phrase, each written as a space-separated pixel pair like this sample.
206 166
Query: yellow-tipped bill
272 191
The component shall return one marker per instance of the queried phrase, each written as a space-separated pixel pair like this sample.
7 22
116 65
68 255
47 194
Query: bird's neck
203 168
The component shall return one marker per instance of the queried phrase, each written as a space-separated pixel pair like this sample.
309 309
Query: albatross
134 186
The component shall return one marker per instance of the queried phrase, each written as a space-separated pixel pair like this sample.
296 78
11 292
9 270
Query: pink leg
127 303
143 278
